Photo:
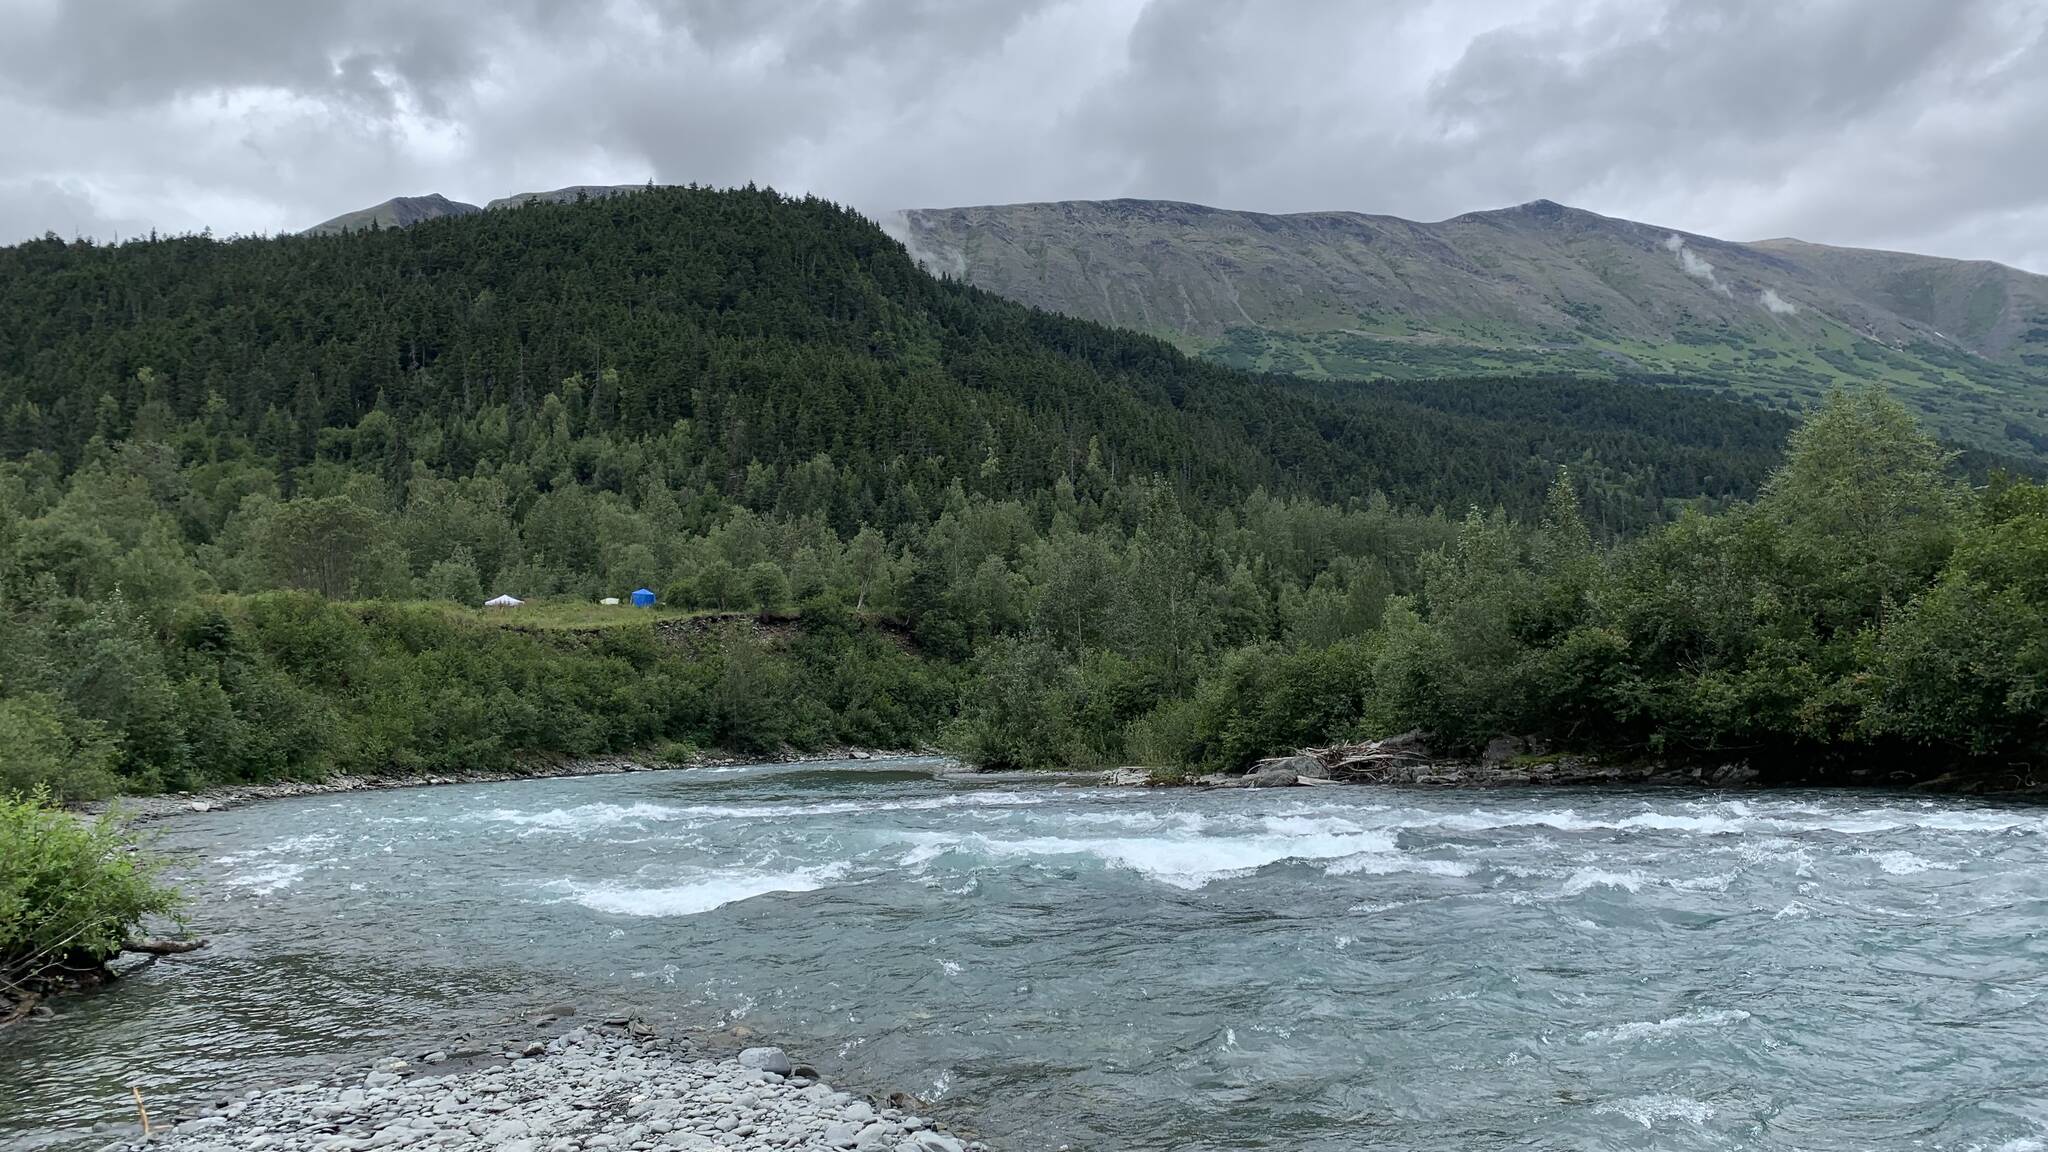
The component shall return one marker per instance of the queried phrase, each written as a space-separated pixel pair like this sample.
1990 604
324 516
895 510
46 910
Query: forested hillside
703 334
253 490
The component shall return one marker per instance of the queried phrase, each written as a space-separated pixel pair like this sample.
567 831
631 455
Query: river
1100 968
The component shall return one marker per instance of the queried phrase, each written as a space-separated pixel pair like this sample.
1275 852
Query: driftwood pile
1506 763
1403 759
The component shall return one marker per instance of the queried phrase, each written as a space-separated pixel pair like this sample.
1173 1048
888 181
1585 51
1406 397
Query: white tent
611 601
503 602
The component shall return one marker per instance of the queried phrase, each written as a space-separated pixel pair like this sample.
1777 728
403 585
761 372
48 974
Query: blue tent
643 598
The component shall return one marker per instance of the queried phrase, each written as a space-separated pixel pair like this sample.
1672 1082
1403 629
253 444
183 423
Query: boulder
1285 771
767 1060
1500 750
1307 766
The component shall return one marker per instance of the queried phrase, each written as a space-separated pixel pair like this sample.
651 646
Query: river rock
1733 775
595 1089
767 1060
1285 771
1500 750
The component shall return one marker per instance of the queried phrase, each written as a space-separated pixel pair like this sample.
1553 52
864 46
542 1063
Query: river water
1100 968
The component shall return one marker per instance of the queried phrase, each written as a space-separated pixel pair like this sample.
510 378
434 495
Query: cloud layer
1912 124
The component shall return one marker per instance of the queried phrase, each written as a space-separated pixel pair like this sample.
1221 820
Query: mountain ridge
405 211
1533 287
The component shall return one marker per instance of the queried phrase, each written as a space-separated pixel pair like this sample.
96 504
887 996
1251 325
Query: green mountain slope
761 332
1538 287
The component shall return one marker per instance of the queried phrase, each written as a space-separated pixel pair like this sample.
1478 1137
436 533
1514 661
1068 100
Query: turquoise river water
1096 968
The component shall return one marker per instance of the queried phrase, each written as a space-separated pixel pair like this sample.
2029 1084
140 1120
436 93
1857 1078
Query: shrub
70 890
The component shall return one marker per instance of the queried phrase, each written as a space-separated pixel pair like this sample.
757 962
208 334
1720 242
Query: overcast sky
1914 124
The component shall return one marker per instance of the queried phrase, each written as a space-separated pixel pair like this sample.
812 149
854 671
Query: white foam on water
1651 1029
697 896
304 845
1190 822
1776 850
582 818
274 878
1732 818
1568 820
1907 864
1389 863
1589 878
1718 882
1188 862
1793 911
591 817
1648 1110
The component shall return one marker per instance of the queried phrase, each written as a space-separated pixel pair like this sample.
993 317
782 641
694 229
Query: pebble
599 1090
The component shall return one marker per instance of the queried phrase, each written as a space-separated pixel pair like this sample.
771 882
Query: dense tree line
247 484
705 340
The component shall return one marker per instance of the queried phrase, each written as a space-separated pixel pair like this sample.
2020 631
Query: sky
1913 124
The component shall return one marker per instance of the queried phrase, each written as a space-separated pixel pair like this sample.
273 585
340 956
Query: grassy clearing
568 615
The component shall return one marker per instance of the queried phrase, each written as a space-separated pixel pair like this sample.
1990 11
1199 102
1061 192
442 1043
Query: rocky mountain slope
1537 287
397 212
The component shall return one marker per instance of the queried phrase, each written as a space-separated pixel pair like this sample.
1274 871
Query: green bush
70 890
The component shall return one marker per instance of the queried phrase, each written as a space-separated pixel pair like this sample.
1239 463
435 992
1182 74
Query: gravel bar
589 1088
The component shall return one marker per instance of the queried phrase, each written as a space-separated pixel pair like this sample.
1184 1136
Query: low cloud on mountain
1912 124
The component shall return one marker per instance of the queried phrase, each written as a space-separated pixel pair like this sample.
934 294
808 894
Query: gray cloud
1910 124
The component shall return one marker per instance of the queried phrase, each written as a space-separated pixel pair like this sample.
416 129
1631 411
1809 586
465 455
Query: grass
570 615
1964 399
539 615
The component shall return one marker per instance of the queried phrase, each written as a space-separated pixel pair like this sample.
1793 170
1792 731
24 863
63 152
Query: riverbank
226 796
613 1086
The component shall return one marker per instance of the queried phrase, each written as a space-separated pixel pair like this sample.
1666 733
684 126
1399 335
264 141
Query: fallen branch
158 946
23 1006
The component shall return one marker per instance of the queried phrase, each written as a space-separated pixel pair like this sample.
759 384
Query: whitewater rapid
1130 968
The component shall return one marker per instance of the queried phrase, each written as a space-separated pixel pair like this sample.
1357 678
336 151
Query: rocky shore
615 1087
141 808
